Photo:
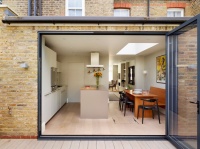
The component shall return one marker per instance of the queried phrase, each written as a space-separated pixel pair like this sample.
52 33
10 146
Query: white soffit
135 48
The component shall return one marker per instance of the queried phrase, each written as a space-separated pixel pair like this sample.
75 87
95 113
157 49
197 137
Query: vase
97 82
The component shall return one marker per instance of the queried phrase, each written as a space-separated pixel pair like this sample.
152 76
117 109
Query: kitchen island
94 102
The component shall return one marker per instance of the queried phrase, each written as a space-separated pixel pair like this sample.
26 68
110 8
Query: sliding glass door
183 84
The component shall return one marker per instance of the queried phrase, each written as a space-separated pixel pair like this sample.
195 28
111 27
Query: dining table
137 101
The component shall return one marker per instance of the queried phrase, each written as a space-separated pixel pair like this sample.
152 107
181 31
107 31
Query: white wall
150 66
115 72
89 79
139 67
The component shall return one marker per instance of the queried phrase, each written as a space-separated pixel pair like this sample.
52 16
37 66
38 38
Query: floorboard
24 144
118 144
40 144
83 145
143 145
58 145
75 144
135 145
68 122
101 145
14 143
66 145
109 145
90 144
126 145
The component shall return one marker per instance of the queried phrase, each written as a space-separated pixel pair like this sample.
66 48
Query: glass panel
72 12
74 3
170 14
121 12
116 12
182 53
71 3
78 12
78 3
177 14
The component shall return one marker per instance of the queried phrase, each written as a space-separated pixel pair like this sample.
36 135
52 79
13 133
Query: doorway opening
69 53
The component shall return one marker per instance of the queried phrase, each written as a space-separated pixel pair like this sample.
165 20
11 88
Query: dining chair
146 106
113 84
127 102
121 99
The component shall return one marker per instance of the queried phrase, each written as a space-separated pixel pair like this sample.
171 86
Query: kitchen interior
71 104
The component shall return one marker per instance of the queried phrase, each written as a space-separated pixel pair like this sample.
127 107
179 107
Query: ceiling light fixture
135 48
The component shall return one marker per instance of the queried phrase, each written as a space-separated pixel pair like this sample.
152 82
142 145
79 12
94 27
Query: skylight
135 48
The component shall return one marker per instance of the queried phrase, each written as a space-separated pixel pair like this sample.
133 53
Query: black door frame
91 137
173 32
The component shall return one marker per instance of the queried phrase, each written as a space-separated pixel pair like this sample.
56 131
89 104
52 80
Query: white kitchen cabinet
63 96
54 103
48 61
46 107
52 57
59 99
59 67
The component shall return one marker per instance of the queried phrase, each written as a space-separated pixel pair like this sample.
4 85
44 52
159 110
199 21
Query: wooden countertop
93 87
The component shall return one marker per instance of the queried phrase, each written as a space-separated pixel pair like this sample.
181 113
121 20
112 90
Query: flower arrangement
97 74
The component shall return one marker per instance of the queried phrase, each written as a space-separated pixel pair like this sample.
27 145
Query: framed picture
161 69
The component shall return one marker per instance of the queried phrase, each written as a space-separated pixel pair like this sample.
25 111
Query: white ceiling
104 44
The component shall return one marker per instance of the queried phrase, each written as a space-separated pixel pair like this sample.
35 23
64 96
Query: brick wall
187 84
99 8
138 8
18 86
195 7
53 7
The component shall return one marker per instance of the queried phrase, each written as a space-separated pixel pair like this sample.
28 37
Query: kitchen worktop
93 87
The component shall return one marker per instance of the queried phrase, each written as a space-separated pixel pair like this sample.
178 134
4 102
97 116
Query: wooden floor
35 144
68 122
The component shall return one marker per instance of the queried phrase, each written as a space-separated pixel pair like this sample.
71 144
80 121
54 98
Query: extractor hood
94 60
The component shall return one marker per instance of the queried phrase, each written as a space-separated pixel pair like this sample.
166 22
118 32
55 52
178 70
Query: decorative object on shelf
95 70
97 75
161 69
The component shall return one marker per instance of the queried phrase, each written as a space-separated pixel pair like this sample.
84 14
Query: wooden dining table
137 101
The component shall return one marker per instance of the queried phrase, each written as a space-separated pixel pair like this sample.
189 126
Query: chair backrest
151 100
122 95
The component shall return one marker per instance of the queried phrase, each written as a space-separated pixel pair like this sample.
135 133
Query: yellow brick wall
18 86
195 7
158 8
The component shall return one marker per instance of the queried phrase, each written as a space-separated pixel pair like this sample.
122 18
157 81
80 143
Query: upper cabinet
48 60
52 57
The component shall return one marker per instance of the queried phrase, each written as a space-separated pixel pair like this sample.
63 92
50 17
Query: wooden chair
153 107
113 84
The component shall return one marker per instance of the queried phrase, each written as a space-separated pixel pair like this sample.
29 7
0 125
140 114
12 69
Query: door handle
197 103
